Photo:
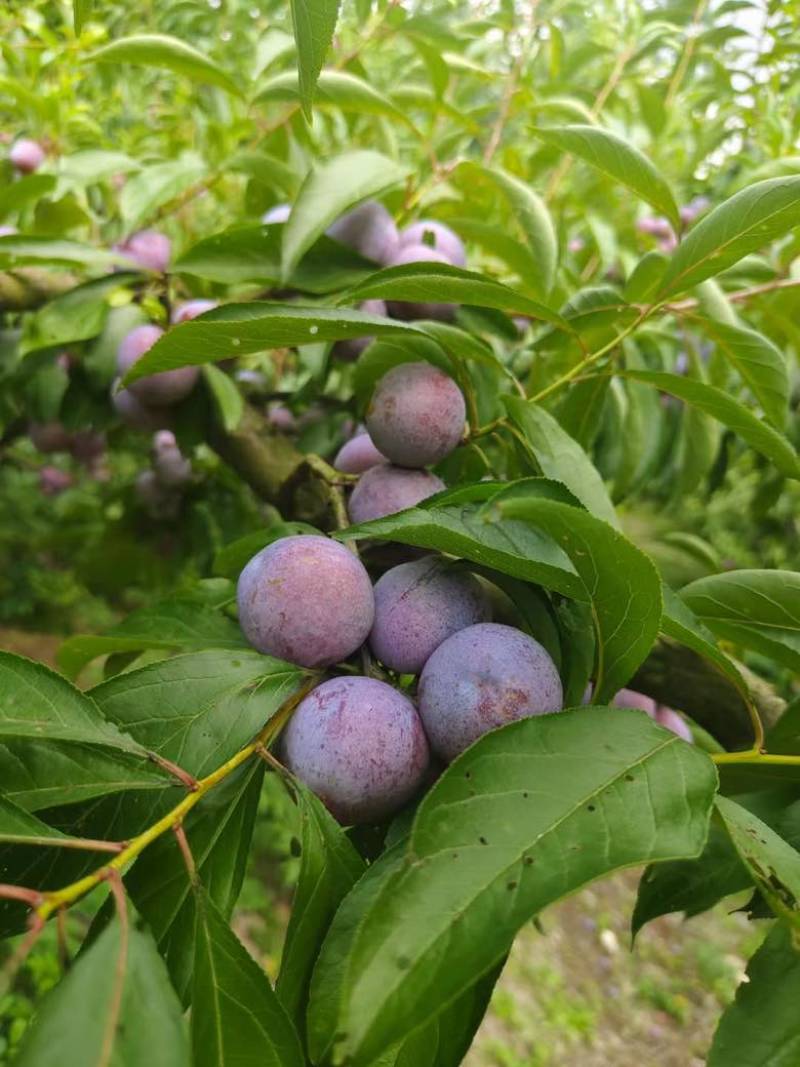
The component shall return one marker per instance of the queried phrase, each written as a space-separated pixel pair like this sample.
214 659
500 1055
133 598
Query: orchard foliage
551 250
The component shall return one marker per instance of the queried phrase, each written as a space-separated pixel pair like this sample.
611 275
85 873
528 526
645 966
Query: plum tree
418 605
351 348
359 745
279 213
147 248
156 390
411 309
306 599
26 155
191 309
437 236
358 455
416 415
483 677
368 229
385 489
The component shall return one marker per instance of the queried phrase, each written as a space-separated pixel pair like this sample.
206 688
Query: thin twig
511 86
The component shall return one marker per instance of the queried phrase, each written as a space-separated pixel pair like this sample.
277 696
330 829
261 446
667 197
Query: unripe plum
148 248
416 415
359 745
49 437
350 349
437 236
155 390
134 413
358 455
369 229
279 213
671 720
480 678
629 698
411 309
191 309
384 489
306 599
26 155
418 605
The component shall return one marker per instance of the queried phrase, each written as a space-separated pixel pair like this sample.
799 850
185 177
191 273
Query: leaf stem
755 756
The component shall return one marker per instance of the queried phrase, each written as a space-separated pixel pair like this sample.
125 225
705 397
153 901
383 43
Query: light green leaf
314 22
227 399
614 156
78 315
166 53
19 251
745 223
335 88
22 192
154 186
81 10
717 403
330 189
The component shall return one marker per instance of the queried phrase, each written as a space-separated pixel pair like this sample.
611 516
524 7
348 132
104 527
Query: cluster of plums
360 743
160 488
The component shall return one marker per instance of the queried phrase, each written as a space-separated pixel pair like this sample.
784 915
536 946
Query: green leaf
620 580
313 22
184 622
19 251
330 189
230 560
456 522
330 868
155 185
561 457
745 223
19 827
440 282
22 192
115 1005
717 403
531 216
228 401
760 363
237 329
527 815
758 609
762 1026
237 1021
94 165
81 10
335 88
77 315
253 254
166 53
614 156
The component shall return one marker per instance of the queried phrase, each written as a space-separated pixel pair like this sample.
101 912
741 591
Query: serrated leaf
330 189
717 403
166 53
228 401
94 1016
758 609
528 814
762 1026
614 156
236 1017
155 185
760 363
744 223
561 457
335 88
314 22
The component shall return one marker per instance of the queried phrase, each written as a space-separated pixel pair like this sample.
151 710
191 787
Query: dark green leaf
760 363
773 864
228 401
314 22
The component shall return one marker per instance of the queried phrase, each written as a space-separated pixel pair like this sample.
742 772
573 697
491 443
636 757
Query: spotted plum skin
368 229
418 605
306 599
416 415
480 678
384 490
155 390
191 309
358 455
147 248
437 236
351 348
359 745
411 309
26 155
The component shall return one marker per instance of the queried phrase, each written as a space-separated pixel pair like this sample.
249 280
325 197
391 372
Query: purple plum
88 446
306 599
629 698
134 413
53 481
349 350
358 455
279 213
156 390
282 418
418 605
483 677
171 467
359 745
437 236
416 415
369 229
26 155
191 309
157 500
671 720
409 309
147 248
49 437
384 489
